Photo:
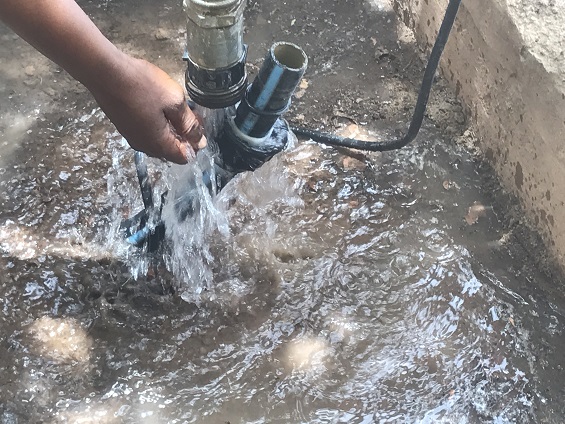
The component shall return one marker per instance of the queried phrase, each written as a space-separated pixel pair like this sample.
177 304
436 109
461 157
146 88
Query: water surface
323 288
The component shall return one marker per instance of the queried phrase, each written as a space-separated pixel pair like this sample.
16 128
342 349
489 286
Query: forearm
64 33
147 107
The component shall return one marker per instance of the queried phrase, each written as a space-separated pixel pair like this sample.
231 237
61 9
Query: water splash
332 288
336 280
196 218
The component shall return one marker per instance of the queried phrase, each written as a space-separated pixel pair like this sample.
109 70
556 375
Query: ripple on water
343 298
316 291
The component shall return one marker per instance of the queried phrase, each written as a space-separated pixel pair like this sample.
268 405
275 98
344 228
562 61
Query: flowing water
323 288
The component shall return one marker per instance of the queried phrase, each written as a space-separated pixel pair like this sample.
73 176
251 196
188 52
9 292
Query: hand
149 109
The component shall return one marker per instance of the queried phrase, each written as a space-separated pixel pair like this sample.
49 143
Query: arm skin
147 107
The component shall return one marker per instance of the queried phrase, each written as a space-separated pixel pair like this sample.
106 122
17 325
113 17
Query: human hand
149 109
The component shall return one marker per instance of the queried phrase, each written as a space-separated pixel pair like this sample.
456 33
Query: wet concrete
334 287
506 62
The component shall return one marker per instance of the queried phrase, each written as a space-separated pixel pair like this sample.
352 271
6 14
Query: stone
162 34
30 70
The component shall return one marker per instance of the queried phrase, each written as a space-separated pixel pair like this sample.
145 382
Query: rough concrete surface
506 61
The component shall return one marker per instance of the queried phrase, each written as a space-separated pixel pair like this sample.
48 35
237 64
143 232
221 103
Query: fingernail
202 143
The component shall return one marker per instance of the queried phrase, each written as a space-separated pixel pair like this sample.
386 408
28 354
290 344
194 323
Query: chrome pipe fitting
216 76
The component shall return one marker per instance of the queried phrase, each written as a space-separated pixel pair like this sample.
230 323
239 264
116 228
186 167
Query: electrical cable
419 109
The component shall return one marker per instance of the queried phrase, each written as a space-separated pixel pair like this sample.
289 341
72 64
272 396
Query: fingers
202 143
179 138
196 133
186 125
173 150
150 111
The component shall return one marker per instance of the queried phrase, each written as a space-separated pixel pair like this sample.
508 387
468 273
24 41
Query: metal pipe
216 75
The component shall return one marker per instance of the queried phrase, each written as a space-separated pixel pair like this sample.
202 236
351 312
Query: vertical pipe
216 76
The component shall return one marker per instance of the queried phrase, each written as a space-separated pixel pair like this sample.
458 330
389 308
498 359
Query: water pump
216 79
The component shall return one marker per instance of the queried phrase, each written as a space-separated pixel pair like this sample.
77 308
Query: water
322 288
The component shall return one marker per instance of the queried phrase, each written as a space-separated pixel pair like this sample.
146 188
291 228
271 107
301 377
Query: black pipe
270 94
241 153
421 103
257 133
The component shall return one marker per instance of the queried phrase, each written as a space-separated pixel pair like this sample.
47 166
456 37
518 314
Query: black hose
421 103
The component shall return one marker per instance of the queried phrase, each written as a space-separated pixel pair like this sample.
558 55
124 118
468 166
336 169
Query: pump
216 78
253 132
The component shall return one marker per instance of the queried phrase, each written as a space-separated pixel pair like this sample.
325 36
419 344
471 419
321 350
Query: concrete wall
506 61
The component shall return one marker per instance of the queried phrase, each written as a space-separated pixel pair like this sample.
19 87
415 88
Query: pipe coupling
216 76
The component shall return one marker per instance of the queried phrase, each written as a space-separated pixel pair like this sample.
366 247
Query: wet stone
162 34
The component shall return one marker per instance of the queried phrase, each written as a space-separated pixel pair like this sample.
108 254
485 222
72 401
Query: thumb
186 125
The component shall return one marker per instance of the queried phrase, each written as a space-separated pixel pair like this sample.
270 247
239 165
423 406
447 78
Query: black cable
421 103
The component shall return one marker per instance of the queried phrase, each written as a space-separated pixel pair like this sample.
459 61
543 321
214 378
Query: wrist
108 73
